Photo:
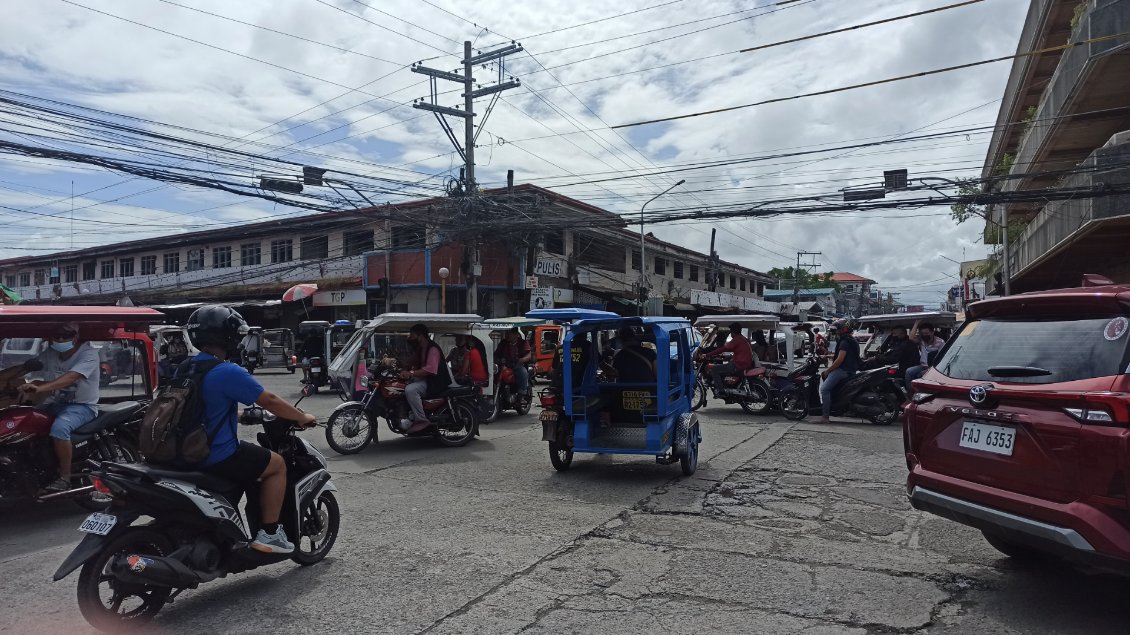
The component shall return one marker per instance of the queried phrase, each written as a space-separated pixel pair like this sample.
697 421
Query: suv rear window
1072 349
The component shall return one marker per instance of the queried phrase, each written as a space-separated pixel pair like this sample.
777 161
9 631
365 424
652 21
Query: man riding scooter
845 364
74 369
743 359
515 353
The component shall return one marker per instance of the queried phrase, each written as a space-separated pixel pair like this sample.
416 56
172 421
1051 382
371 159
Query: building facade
390 259
1063 110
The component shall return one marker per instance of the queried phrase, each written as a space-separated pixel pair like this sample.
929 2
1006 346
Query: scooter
454 416
196 534
506 394
251 361
873 394
27 454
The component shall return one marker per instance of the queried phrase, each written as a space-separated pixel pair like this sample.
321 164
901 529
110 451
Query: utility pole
796 273
466 149
712 265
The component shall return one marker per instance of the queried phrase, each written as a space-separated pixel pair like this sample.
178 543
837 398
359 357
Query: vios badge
979 394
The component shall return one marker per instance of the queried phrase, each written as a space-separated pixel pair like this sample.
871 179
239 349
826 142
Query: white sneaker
272 543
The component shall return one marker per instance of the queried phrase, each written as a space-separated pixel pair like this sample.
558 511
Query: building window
678 270
741 284
555 243
149 265
25 279
70 273
636 260
357 243
88 270
221 257
250 254
195 259
54 275
282 250
10 281
733 282
125 267
172 263
107 269
408 237
314 248
694 273
660 267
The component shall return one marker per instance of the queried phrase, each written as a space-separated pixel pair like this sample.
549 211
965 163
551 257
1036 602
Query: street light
443 273
643 256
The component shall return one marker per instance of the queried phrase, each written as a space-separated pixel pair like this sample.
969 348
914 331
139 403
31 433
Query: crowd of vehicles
1017 428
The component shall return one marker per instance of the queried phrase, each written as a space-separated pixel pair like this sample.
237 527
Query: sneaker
272 543
56 486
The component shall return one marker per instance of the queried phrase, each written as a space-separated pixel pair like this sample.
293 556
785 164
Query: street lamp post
643 256
443 273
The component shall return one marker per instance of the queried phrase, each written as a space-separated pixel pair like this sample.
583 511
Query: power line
888 80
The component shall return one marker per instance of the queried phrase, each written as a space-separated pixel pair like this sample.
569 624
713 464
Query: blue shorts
68 418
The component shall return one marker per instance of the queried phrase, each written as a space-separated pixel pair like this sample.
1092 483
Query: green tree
789 275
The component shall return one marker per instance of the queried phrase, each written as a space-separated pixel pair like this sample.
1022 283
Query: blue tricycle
639 402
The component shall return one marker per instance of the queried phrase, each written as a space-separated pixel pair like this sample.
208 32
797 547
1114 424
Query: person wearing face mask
922 334
72 372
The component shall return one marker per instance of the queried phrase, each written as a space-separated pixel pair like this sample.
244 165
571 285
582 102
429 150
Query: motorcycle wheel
890 412
115 610
794 405
758 401
349 430
698 400
523 403
560 456
318 530
461 429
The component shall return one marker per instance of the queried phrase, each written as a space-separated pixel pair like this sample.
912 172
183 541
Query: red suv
1022 427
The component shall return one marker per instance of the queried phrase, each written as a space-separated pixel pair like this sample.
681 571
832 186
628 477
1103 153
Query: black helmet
215 325
844 326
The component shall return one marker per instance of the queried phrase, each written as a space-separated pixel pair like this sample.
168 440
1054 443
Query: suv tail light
1087 415
922 397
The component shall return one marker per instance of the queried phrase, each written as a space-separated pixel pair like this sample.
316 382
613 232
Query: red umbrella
299 292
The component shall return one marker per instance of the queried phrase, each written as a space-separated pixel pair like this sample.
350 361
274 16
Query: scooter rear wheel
111 606
758 401
461 429
560 456
698 400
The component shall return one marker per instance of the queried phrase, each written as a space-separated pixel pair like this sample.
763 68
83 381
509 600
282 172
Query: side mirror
307 390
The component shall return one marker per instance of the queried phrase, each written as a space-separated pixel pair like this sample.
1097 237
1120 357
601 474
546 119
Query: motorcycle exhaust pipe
154 570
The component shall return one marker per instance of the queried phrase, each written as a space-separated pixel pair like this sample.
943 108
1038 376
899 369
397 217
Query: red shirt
476 369
743 352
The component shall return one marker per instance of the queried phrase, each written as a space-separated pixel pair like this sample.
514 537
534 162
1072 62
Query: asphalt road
786 528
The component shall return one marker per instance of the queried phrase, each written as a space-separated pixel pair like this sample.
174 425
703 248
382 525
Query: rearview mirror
307 390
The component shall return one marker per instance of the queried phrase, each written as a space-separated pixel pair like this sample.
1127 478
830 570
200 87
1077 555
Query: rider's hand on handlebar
308 420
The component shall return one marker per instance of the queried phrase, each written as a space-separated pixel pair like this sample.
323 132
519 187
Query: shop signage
340 298
541 298
552 267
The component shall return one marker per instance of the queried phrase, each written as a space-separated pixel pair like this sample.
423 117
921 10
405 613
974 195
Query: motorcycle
789 391
875 394
454 416
27 453
251 361
506 395
749 389
318 377
196 534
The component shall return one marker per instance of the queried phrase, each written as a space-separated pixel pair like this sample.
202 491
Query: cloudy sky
344 93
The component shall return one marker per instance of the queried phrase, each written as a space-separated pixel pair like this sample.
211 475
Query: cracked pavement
786 528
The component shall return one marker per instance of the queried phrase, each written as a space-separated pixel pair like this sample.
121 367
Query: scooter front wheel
318 530
111 606
349 429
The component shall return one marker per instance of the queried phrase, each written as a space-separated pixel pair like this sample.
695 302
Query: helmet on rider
216 326
844 326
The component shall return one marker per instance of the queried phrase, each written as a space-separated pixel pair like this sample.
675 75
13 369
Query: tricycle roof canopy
502 324
748 321
938 318
95 322
434 321
570 315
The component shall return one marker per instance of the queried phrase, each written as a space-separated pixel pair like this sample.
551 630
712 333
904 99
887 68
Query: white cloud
60 51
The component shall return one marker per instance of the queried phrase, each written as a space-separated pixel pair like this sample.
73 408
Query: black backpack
173 431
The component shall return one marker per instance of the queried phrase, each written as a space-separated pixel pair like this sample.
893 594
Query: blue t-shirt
225 386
